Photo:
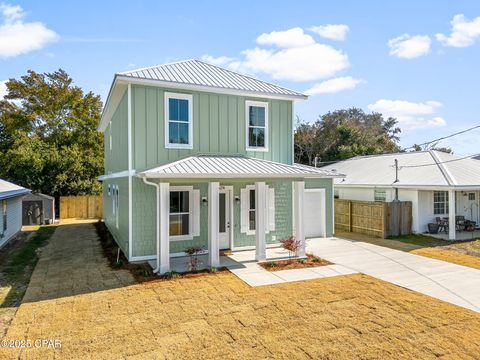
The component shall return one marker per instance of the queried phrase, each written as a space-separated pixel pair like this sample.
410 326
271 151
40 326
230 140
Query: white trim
189 98
229 189
143 258
211 89
163 251
298 204
189 236
452 229
129 151
249 231
115 175
213 218
260 237
263 104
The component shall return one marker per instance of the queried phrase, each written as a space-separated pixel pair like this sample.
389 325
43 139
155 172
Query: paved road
449 282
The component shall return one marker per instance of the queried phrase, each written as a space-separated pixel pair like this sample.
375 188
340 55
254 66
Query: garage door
314 213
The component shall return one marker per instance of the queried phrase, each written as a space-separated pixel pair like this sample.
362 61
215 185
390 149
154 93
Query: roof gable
8 189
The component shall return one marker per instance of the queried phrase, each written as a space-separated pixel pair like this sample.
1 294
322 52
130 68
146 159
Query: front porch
230 202
459 235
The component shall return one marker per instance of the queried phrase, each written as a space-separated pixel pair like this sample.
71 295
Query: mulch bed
308 262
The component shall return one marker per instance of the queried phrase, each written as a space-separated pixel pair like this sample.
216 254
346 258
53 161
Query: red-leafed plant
291 244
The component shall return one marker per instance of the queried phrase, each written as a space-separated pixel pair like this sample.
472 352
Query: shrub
271 264
192 253
171 275
291 244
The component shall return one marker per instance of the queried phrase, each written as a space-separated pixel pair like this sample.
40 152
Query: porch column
163 257
213 215
260 206
299 188
451 215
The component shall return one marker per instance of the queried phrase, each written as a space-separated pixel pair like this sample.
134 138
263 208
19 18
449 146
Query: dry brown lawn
450 256
217 316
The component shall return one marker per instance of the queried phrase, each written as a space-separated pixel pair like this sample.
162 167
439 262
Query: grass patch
16 272
420 240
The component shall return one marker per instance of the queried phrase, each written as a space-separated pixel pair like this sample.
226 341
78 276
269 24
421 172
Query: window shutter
244 204
196 213
271 209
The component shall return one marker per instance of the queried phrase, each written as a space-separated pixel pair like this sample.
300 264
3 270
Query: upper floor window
257 126
4 214
178 121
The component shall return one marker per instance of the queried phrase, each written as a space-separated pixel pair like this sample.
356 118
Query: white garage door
314 213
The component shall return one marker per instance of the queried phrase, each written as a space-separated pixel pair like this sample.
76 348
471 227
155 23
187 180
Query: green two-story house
200 156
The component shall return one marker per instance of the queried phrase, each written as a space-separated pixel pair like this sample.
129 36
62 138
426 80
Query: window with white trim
471 196
178 121
4 214
440 202
180 222
380 195
251 210
257 126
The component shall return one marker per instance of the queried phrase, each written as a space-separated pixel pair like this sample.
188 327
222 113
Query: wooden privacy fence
81 207
379 219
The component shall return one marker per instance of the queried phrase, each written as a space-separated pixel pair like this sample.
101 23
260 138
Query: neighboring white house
10 210
435 182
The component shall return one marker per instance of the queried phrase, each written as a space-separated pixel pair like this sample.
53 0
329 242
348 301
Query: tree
48 137
432 146
343 134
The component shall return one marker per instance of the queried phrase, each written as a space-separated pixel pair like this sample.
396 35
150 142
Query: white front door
314 213
225 218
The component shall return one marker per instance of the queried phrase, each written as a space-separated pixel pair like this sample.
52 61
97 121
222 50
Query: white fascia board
116 175
415 187
231 176
14 193
211 89
114 97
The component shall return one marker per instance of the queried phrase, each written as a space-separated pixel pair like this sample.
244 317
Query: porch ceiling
203 166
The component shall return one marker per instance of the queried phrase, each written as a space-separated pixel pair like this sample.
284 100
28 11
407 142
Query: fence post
350 216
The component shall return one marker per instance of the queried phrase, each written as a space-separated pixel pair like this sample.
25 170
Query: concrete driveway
449 282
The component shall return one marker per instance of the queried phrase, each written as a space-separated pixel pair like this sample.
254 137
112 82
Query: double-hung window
180 214
178 121
440 202
257 126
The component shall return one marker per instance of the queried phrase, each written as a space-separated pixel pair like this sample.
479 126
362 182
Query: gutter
157 187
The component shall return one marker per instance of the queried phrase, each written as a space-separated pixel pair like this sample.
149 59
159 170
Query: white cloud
410 115
293 56
464 32
291 38
219 61
19 37
331 31
409 47
3 88
334 85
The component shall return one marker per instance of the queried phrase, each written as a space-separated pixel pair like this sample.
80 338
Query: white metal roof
193 75
423 169
8 189
204 166
200 73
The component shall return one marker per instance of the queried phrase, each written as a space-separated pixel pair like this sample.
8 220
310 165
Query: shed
38 208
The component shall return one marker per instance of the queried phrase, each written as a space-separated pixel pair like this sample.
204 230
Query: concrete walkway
449 282
243 265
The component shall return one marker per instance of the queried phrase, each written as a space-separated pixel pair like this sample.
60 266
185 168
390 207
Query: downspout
157 187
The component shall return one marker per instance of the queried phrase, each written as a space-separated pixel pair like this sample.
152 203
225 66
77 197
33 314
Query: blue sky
383 56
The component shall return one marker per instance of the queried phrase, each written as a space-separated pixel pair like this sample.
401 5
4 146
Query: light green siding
120 234
116 159
326 184
219 127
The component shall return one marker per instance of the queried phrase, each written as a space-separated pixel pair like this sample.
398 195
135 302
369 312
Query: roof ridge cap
443 169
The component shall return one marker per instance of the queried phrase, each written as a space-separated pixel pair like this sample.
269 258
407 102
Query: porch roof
208 166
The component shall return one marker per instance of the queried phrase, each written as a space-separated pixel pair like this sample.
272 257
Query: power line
440 162
443 138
